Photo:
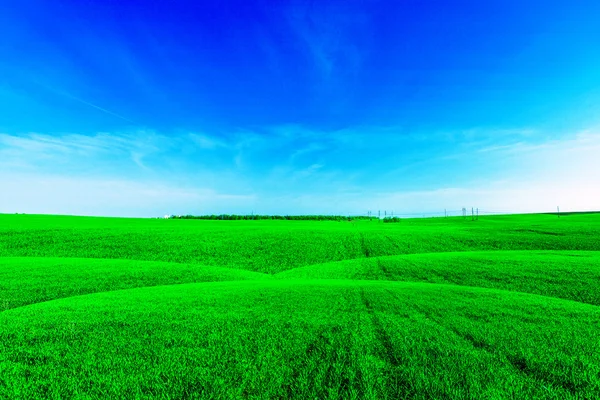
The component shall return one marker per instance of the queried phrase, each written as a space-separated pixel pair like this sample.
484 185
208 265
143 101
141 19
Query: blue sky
138 108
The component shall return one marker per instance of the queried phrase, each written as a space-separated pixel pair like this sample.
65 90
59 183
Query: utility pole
477 214
472 215
557 212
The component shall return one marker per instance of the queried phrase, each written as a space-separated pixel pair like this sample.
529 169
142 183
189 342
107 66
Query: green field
439 308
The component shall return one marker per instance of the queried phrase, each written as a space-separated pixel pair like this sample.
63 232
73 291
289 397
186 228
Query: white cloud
35 146
291 169
207 142
327 33
137 148
48 194
505 197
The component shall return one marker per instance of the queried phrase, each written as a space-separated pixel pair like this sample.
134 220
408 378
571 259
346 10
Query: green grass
572 275
308 338
275 246
503 307
55 278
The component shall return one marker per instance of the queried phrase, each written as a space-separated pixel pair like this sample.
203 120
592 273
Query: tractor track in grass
517 363
388 349
403 387
320 349
385 270
393 242
365 249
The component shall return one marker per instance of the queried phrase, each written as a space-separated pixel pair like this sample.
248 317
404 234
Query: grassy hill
502 307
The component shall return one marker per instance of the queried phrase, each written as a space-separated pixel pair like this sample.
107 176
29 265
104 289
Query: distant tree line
391 219
235 217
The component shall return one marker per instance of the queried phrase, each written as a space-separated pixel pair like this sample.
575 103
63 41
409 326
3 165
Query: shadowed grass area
573 275
27 280
303 339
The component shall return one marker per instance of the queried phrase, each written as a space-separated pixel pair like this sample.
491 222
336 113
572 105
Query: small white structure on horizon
167 216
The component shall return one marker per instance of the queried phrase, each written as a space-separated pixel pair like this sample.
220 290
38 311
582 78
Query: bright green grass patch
26 280
302 339
573 275
275 246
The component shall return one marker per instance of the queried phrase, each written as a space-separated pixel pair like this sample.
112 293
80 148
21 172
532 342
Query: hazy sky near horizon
137 108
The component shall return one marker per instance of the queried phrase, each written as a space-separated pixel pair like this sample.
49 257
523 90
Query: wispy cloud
104 110
82 101
309 149
36 149
206 141
289 166
329 44
110 196
588 140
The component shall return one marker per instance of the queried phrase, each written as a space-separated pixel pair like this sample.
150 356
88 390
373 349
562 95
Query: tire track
323 350
400 384
385 270
517 363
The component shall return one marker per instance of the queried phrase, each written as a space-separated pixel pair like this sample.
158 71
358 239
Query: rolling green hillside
502 307
275 246
573 275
